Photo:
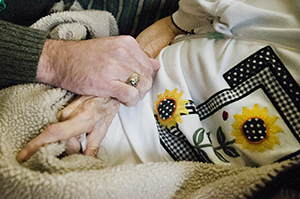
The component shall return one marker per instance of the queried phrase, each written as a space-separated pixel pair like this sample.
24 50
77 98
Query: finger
129 95
96 136
126 94
144 86
53 133
93 141
132 65
155 64
145 83
147 62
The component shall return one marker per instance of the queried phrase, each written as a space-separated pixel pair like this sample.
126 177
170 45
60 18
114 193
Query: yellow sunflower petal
179 94
256 108
271 120
236 133
178 118
236 125
269 144
246 111
275 129
240 140
245 145
274 139
252 147
239 118
259 148
263 113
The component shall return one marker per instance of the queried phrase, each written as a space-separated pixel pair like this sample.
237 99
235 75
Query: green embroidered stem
203 146
225 144
215 148
214 35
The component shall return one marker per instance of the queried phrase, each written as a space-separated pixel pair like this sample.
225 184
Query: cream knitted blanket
26 110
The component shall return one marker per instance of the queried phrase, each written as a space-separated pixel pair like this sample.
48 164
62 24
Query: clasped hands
100 68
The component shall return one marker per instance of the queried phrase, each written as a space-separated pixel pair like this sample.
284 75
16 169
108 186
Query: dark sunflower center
166 108
255 130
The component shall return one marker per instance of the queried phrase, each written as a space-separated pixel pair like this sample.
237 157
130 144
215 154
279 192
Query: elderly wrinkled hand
98 67
86 114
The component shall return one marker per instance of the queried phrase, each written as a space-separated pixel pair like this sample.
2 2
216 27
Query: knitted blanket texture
25 110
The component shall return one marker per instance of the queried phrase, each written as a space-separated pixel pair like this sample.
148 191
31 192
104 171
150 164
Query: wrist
46 66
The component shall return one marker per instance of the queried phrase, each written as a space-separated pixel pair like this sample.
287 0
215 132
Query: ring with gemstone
134 79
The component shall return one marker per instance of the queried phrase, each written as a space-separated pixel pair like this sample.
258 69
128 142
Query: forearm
157 36
20 52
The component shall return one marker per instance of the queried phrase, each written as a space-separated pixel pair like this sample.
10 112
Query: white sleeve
276 21
194 14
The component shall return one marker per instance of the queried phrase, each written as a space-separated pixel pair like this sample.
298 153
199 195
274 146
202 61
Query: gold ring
134 79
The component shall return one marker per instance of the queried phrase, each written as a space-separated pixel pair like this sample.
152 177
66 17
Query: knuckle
124 46
103 88
53 130
121 52
64 114
86 113
128 39
91 103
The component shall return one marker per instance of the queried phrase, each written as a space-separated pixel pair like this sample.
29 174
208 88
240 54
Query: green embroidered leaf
208 136
198 136
220 136
204 156
220 156
231 152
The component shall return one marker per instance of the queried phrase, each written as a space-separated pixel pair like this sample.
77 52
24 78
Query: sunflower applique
169 107
255 130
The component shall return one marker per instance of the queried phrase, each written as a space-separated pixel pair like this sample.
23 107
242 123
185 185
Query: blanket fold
25 110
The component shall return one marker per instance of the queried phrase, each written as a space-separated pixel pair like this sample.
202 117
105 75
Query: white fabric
195 14
195 65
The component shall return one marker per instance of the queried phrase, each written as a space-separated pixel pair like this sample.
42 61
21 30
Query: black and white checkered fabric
176 144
